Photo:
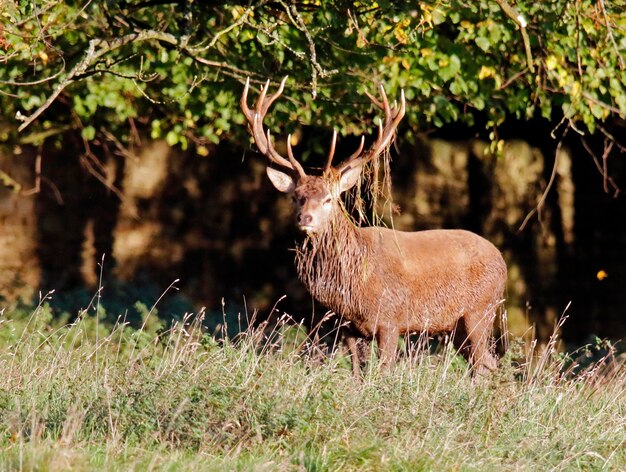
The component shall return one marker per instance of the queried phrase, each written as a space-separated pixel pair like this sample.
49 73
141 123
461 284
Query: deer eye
326 201
299 200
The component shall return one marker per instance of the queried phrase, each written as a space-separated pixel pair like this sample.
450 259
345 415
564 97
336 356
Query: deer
382 282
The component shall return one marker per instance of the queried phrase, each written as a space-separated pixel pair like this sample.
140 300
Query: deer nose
305 219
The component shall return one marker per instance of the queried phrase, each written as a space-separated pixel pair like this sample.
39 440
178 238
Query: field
87 395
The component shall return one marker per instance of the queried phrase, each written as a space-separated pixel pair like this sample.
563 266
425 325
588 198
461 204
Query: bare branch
240 21
512 79
602 168
605 132
609 32
37 188
40 136
605 171
519 19
578 58
78 69
542 200
601 104
316 68
36 82
7 94
99 47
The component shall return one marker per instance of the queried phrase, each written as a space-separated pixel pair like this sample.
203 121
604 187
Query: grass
73 397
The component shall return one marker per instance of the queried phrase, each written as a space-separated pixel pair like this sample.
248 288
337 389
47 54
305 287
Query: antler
386 132
255 123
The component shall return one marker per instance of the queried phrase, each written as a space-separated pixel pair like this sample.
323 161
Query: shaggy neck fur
331 264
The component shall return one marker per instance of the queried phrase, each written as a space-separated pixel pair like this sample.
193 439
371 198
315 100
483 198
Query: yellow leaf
237 12
202 151
390 60
565 78
405 64
361 41
551 62
601 275
427 16
486 72
401 36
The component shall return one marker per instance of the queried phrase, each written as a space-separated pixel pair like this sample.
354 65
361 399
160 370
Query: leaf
171 138
88 133
551 62
458 86
202 151
483 43
486 72
479 103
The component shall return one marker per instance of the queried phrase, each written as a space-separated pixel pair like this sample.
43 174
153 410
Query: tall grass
180 399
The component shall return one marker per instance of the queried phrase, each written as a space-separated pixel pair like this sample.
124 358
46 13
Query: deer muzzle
305 222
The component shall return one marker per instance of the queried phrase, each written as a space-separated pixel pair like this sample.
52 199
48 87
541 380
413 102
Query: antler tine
255 122
354 155
393 116
296 165
358 151
258 109
273 155
331 153
272 98
392 119
385 102
244 101
374 100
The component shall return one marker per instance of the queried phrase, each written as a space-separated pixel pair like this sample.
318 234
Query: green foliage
179 71
71 398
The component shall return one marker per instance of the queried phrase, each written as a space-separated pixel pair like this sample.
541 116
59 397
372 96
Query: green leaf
171 138
88 133
483 43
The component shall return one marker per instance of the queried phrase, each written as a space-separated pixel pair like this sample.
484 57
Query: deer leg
351 343
479 331
387 339
460 340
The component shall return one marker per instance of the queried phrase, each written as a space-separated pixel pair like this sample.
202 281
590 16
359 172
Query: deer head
316 198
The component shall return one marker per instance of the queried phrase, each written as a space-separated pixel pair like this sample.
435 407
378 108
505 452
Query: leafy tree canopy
176 68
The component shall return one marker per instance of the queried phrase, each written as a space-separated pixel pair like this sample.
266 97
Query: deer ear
350 175
283 182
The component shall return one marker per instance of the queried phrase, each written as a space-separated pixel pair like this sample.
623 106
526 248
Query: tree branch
297 20
602 168
542 200
35 82
610 35
99 47
78 69
519 19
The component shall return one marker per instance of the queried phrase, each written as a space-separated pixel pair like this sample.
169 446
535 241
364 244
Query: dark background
216 224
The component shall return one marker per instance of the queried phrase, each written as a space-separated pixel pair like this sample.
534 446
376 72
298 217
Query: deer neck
331 263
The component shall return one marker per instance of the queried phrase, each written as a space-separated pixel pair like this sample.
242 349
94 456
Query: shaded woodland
217 224
125 162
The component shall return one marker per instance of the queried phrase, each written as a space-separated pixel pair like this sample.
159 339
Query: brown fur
384 282
387 283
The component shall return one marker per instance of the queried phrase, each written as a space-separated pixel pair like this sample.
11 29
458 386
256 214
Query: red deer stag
384 282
